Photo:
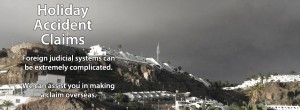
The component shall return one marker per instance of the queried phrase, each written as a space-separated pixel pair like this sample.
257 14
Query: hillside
127 76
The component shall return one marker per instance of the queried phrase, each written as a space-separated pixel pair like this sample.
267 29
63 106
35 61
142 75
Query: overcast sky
215 39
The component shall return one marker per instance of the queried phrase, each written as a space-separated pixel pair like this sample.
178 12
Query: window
17 100
58 80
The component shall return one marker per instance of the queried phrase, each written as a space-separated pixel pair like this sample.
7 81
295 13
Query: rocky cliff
11 61
276 93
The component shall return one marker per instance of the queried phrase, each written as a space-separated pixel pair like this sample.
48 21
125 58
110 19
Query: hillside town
19 94
265 79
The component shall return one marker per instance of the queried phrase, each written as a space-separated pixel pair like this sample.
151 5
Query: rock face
39 48
11 61
277 93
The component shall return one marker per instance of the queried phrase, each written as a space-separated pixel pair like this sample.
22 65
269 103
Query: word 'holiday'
61 10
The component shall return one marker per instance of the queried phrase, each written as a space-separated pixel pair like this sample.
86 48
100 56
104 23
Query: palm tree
120 47
7 104
1 107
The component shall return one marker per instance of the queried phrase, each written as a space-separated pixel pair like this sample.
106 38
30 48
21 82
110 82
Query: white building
15 99
12 93
3 71
149 95
96 51
273 78
44 79
10 89
197 102
51 78
283 107
18 95
153 62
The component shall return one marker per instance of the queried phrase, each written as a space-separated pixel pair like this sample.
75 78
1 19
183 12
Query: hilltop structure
98 50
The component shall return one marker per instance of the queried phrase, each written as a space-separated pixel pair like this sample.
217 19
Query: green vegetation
119 97
7 104
258 86
133 105
234 106
123 101
248 106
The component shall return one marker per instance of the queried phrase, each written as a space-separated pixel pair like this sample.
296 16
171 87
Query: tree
133 105
261 106
119 97
179 68
7 104
293 72
234 106
245 106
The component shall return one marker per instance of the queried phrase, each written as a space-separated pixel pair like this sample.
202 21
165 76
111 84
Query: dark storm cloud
218 40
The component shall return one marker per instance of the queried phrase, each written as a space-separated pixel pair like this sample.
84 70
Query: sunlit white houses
10 89
12 93
188 102
283 107
3 71
149 95
16 99
273 78
44 79
96 51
